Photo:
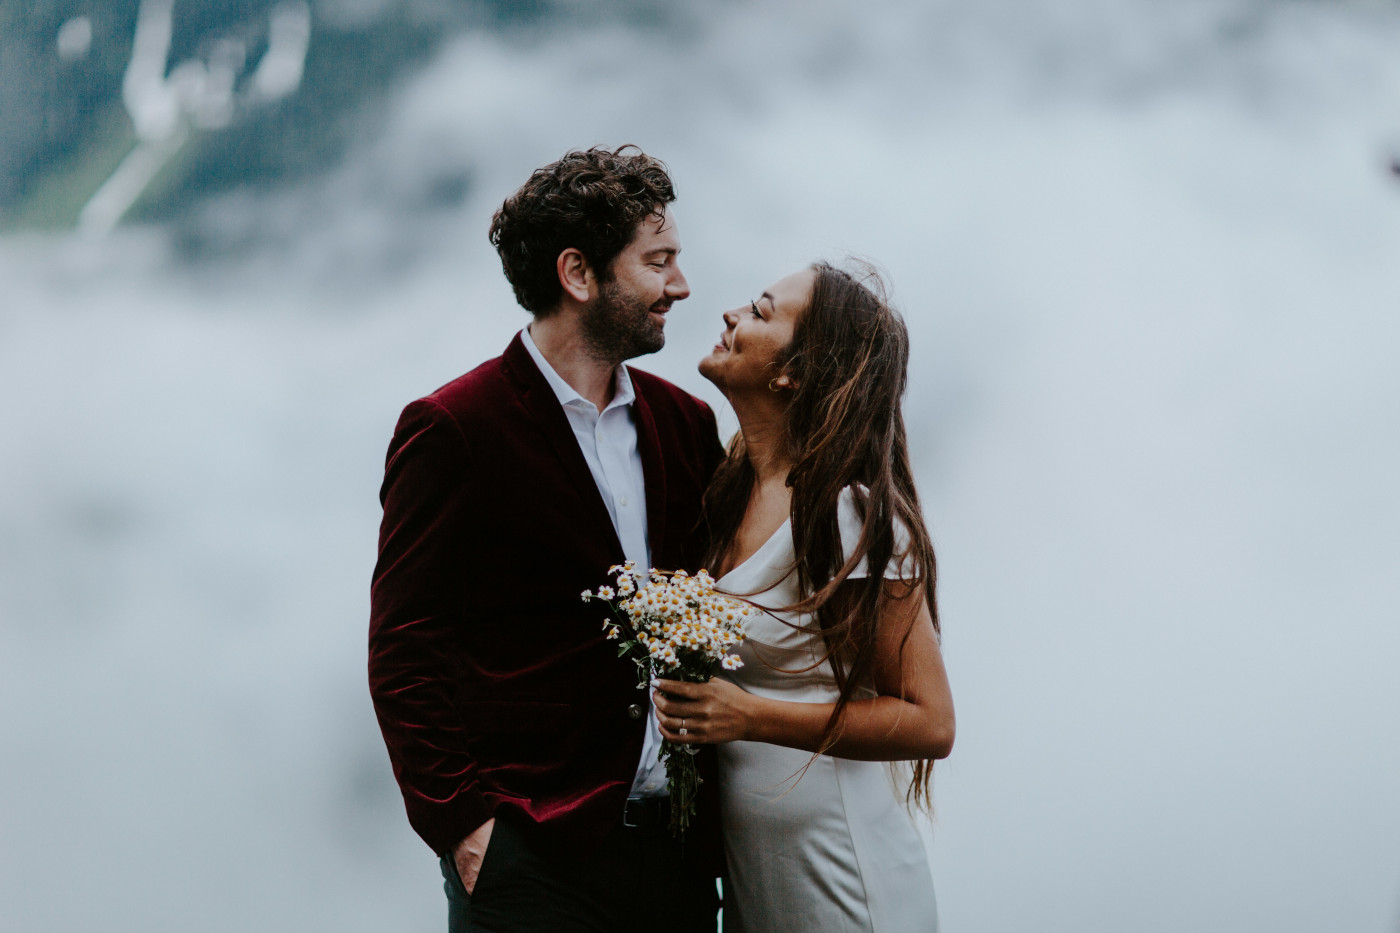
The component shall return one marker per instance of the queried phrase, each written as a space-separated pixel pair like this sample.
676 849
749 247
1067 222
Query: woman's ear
781 381
575 275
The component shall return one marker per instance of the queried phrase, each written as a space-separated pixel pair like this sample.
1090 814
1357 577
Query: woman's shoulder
850 514
850 518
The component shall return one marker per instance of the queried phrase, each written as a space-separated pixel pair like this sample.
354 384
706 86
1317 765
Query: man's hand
470 852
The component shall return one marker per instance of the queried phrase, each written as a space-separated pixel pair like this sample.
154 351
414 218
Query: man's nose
678 288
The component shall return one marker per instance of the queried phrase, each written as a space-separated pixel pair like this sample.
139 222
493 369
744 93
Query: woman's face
750 352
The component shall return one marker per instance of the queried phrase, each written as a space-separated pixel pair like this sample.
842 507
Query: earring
771 386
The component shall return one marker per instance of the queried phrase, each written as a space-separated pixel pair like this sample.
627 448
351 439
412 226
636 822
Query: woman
815 518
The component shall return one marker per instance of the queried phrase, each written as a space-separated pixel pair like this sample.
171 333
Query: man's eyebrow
673 250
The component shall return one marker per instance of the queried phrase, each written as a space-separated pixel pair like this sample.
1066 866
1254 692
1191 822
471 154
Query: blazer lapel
654 473
543 405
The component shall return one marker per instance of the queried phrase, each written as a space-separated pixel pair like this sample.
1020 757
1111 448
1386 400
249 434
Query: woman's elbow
938 740
944 745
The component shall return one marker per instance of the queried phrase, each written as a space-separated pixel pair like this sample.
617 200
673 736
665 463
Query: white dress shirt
608 440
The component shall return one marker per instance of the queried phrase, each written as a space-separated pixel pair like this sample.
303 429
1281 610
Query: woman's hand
909 718
708 713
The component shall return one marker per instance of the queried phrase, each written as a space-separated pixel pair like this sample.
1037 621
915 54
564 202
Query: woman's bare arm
911 717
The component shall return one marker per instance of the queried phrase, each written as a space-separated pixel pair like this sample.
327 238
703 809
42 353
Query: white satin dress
836 851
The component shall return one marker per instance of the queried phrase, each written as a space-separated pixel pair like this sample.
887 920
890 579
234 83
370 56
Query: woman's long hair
848 363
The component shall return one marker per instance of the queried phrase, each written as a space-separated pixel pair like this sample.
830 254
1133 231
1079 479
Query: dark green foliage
309 131
63 127
50 108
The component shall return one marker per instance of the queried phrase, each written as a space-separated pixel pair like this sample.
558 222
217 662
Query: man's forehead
658 232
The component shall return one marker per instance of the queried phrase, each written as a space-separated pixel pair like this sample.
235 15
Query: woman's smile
752 347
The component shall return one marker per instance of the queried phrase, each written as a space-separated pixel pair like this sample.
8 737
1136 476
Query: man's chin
654 339
644 343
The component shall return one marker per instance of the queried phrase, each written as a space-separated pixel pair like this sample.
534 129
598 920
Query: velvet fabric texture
492 680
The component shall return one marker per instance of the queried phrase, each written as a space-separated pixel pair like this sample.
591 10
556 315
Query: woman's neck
762 427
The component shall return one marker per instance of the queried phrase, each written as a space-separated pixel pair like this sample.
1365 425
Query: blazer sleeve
416 611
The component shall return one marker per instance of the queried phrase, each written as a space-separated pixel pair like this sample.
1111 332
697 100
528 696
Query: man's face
627 316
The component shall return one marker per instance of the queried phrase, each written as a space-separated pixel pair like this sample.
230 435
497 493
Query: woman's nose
731 318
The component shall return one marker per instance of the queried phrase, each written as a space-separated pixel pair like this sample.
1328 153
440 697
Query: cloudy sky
1147 255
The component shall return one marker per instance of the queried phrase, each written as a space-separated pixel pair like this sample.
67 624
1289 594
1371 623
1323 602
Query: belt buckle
638 812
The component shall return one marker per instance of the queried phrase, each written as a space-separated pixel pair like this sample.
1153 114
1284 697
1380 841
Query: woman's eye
754 306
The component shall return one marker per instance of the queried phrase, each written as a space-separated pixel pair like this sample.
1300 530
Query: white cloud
1146 253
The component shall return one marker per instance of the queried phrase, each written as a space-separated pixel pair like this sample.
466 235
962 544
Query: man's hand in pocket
470 852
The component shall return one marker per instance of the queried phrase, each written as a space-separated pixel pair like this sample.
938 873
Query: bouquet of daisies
673 625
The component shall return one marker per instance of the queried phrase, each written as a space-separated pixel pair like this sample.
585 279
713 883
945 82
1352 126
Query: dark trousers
635 881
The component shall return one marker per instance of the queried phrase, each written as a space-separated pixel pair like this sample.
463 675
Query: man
526 754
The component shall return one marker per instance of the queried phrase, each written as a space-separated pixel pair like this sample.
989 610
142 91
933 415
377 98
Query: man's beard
617 326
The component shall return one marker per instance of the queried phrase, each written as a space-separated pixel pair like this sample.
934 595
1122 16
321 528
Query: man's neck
558 342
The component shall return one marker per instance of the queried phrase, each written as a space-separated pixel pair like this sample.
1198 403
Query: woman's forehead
791 292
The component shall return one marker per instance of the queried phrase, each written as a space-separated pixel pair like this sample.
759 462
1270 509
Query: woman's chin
709 368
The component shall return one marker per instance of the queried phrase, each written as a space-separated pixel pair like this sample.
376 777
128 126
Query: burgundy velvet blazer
492 680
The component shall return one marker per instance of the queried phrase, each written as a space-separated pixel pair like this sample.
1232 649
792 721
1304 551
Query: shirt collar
623 392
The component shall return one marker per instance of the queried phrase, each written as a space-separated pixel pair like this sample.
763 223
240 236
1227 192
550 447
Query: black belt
647 813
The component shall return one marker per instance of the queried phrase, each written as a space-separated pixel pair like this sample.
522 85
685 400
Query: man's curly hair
591 200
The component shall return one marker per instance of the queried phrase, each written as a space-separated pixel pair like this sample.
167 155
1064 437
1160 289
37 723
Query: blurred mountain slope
65 128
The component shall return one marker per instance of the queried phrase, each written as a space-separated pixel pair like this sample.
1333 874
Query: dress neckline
777 533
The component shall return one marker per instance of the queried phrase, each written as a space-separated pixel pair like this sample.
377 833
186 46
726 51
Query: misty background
1147 254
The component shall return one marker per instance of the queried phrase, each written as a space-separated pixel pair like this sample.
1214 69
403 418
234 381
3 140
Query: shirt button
622 501
634 711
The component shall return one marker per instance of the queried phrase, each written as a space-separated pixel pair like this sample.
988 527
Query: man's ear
575 275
